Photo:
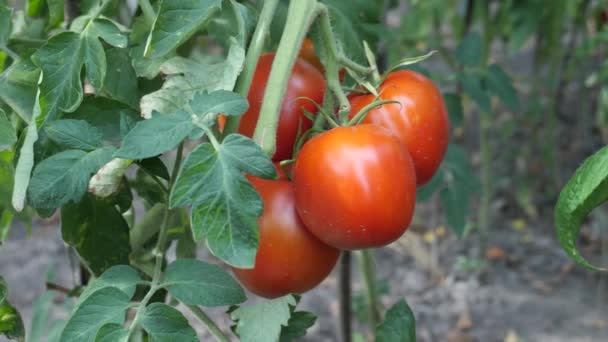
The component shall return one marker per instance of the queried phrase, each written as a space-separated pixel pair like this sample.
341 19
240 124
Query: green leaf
263 321
97 231
500 84
225 204
64 177
176 22
94 60
109 31
197 283
586 190
156 167
74 134
469 51
425 192
107 305
473 86
187 77
61 60
166 324
460 183
103 114
121 81
112 332
121 277
207 105
40 316
18 85
159 134
399 324
11 324
297 325
6 24
234 21
7 132
453 103
56 8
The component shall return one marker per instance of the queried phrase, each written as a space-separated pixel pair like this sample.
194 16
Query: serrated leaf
586 190
64 177
501 85
297 325
103 114
109 31
61 60
470 50
7 132
474 88
98 231
220 101
18 86
197 283
74 134
165 324
156 135
263 321
187 77
121 277
176 22
112 332
225 204
121 81
107 305
399 324
453 102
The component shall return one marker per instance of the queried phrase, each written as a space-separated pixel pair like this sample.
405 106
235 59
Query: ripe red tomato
420 121
290 259
305 84
355 187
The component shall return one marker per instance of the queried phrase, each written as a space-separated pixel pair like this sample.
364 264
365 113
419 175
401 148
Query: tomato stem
360 116
300 15
213 328
148 10
366 264
256 46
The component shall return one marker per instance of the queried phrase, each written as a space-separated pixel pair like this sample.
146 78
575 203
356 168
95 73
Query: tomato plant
289 259
419 119
305 89
355 187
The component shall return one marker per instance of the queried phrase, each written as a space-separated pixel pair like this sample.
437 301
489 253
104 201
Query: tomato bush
355 187
419 120
289 259
305 89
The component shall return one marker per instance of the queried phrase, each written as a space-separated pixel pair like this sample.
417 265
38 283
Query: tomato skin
305 83
290 259
420 121
355 187
308 53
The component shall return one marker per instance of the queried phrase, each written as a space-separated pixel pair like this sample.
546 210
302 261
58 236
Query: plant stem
148 10
299 17
345 294
213 328
12 54
178 163
366 264
256 46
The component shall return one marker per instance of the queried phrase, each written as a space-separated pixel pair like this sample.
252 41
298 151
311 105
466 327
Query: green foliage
194 282
263 321
11 324
586 190
7 132
399 324
164 324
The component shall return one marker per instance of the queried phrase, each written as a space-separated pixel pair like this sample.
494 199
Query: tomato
290 259
355 187
305 84
308 53
420 120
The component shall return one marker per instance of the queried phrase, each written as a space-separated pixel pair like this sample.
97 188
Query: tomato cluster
353 187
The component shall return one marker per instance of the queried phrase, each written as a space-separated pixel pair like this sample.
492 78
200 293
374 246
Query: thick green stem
149 13
256 46
299 17
213 328
366 265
